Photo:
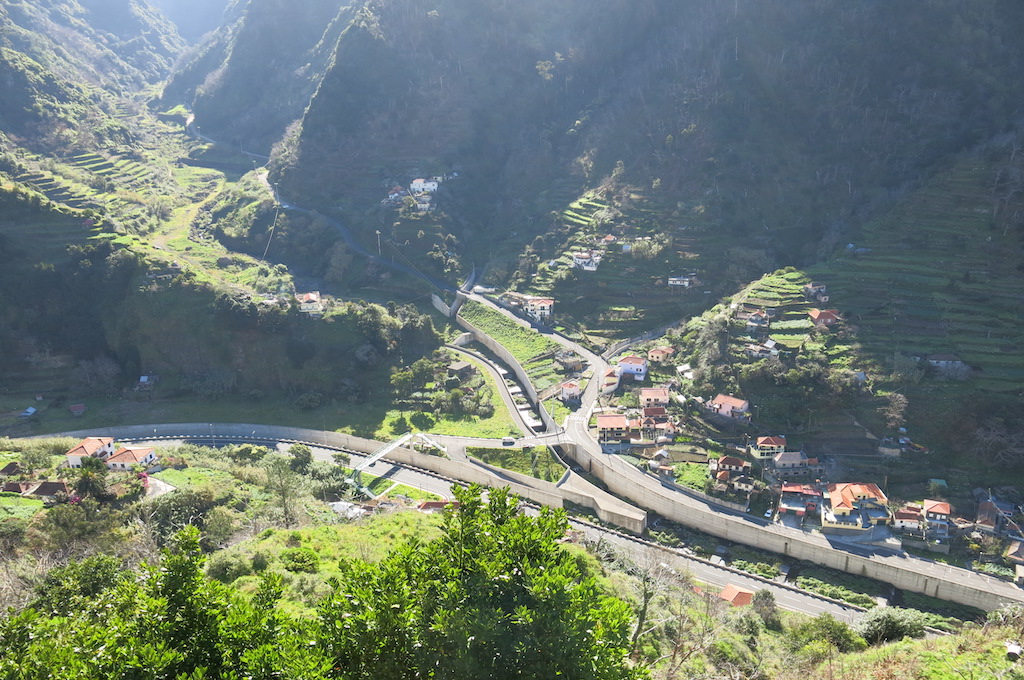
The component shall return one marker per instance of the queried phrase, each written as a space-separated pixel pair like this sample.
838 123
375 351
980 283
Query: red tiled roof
845 495
633 360
736 596
89 446
907 514
824 315
612 421
130 456
731 461
730 401
771 441
655 411
722 476
938 507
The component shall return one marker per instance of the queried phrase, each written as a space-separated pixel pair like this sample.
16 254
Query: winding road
955 584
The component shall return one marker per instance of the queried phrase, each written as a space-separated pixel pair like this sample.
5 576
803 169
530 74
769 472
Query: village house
908 518
610 380
655 423
757 319
852 507
634 366
653 396
460 369
310 303
127 459
736 596
420 186
90 447
823 317
766 447
77 410
616 427
570 390
660 355
48 491
659 464
795 464
730 464
937 518
682 281
743 484
799 499
765 350
730 407
816 291
587 260
947 364
539 308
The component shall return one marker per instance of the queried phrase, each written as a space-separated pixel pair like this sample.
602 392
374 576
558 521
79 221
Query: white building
633 365
420 186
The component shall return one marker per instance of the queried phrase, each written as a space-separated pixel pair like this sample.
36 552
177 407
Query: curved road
689 509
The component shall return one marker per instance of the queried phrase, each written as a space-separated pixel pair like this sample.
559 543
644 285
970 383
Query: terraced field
950 284
626 295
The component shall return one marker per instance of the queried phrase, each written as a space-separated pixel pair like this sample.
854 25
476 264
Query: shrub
300 560
228 565
891 623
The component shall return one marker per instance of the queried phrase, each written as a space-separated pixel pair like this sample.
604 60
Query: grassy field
524 344
692 475
13 505
537 462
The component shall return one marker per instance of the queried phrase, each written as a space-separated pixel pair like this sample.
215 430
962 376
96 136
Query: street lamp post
378 243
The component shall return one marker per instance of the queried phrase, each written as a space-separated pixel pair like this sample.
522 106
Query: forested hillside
786 123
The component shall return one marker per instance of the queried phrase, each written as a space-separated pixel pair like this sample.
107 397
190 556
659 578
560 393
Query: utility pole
378 243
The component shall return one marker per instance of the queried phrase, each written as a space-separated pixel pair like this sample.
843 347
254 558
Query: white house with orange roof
310 303
824 317
616 427
570 389
936 518
729 406
854 507
127 459
653 396
610 380
540 308
634 366
766 447
90 447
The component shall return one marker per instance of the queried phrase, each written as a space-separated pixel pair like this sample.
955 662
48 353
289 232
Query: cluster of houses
115 458
15 479
651 422
420 189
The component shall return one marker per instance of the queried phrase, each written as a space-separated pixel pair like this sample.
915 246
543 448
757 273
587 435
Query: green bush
891 623
836 592
300 560
227 566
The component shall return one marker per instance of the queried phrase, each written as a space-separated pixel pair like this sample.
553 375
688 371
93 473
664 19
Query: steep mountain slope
253 78
786 122
194 18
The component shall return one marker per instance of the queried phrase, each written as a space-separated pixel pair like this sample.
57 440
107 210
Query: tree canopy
495 596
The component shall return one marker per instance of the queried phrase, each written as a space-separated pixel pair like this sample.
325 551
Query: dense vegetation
494 596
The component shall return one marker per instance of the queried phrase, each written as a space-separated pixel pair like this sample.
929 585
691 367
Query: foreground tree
494 597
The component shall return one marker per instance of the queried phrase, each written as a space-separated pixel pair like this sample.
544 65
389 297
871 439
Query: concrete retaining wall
524 380
902 571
